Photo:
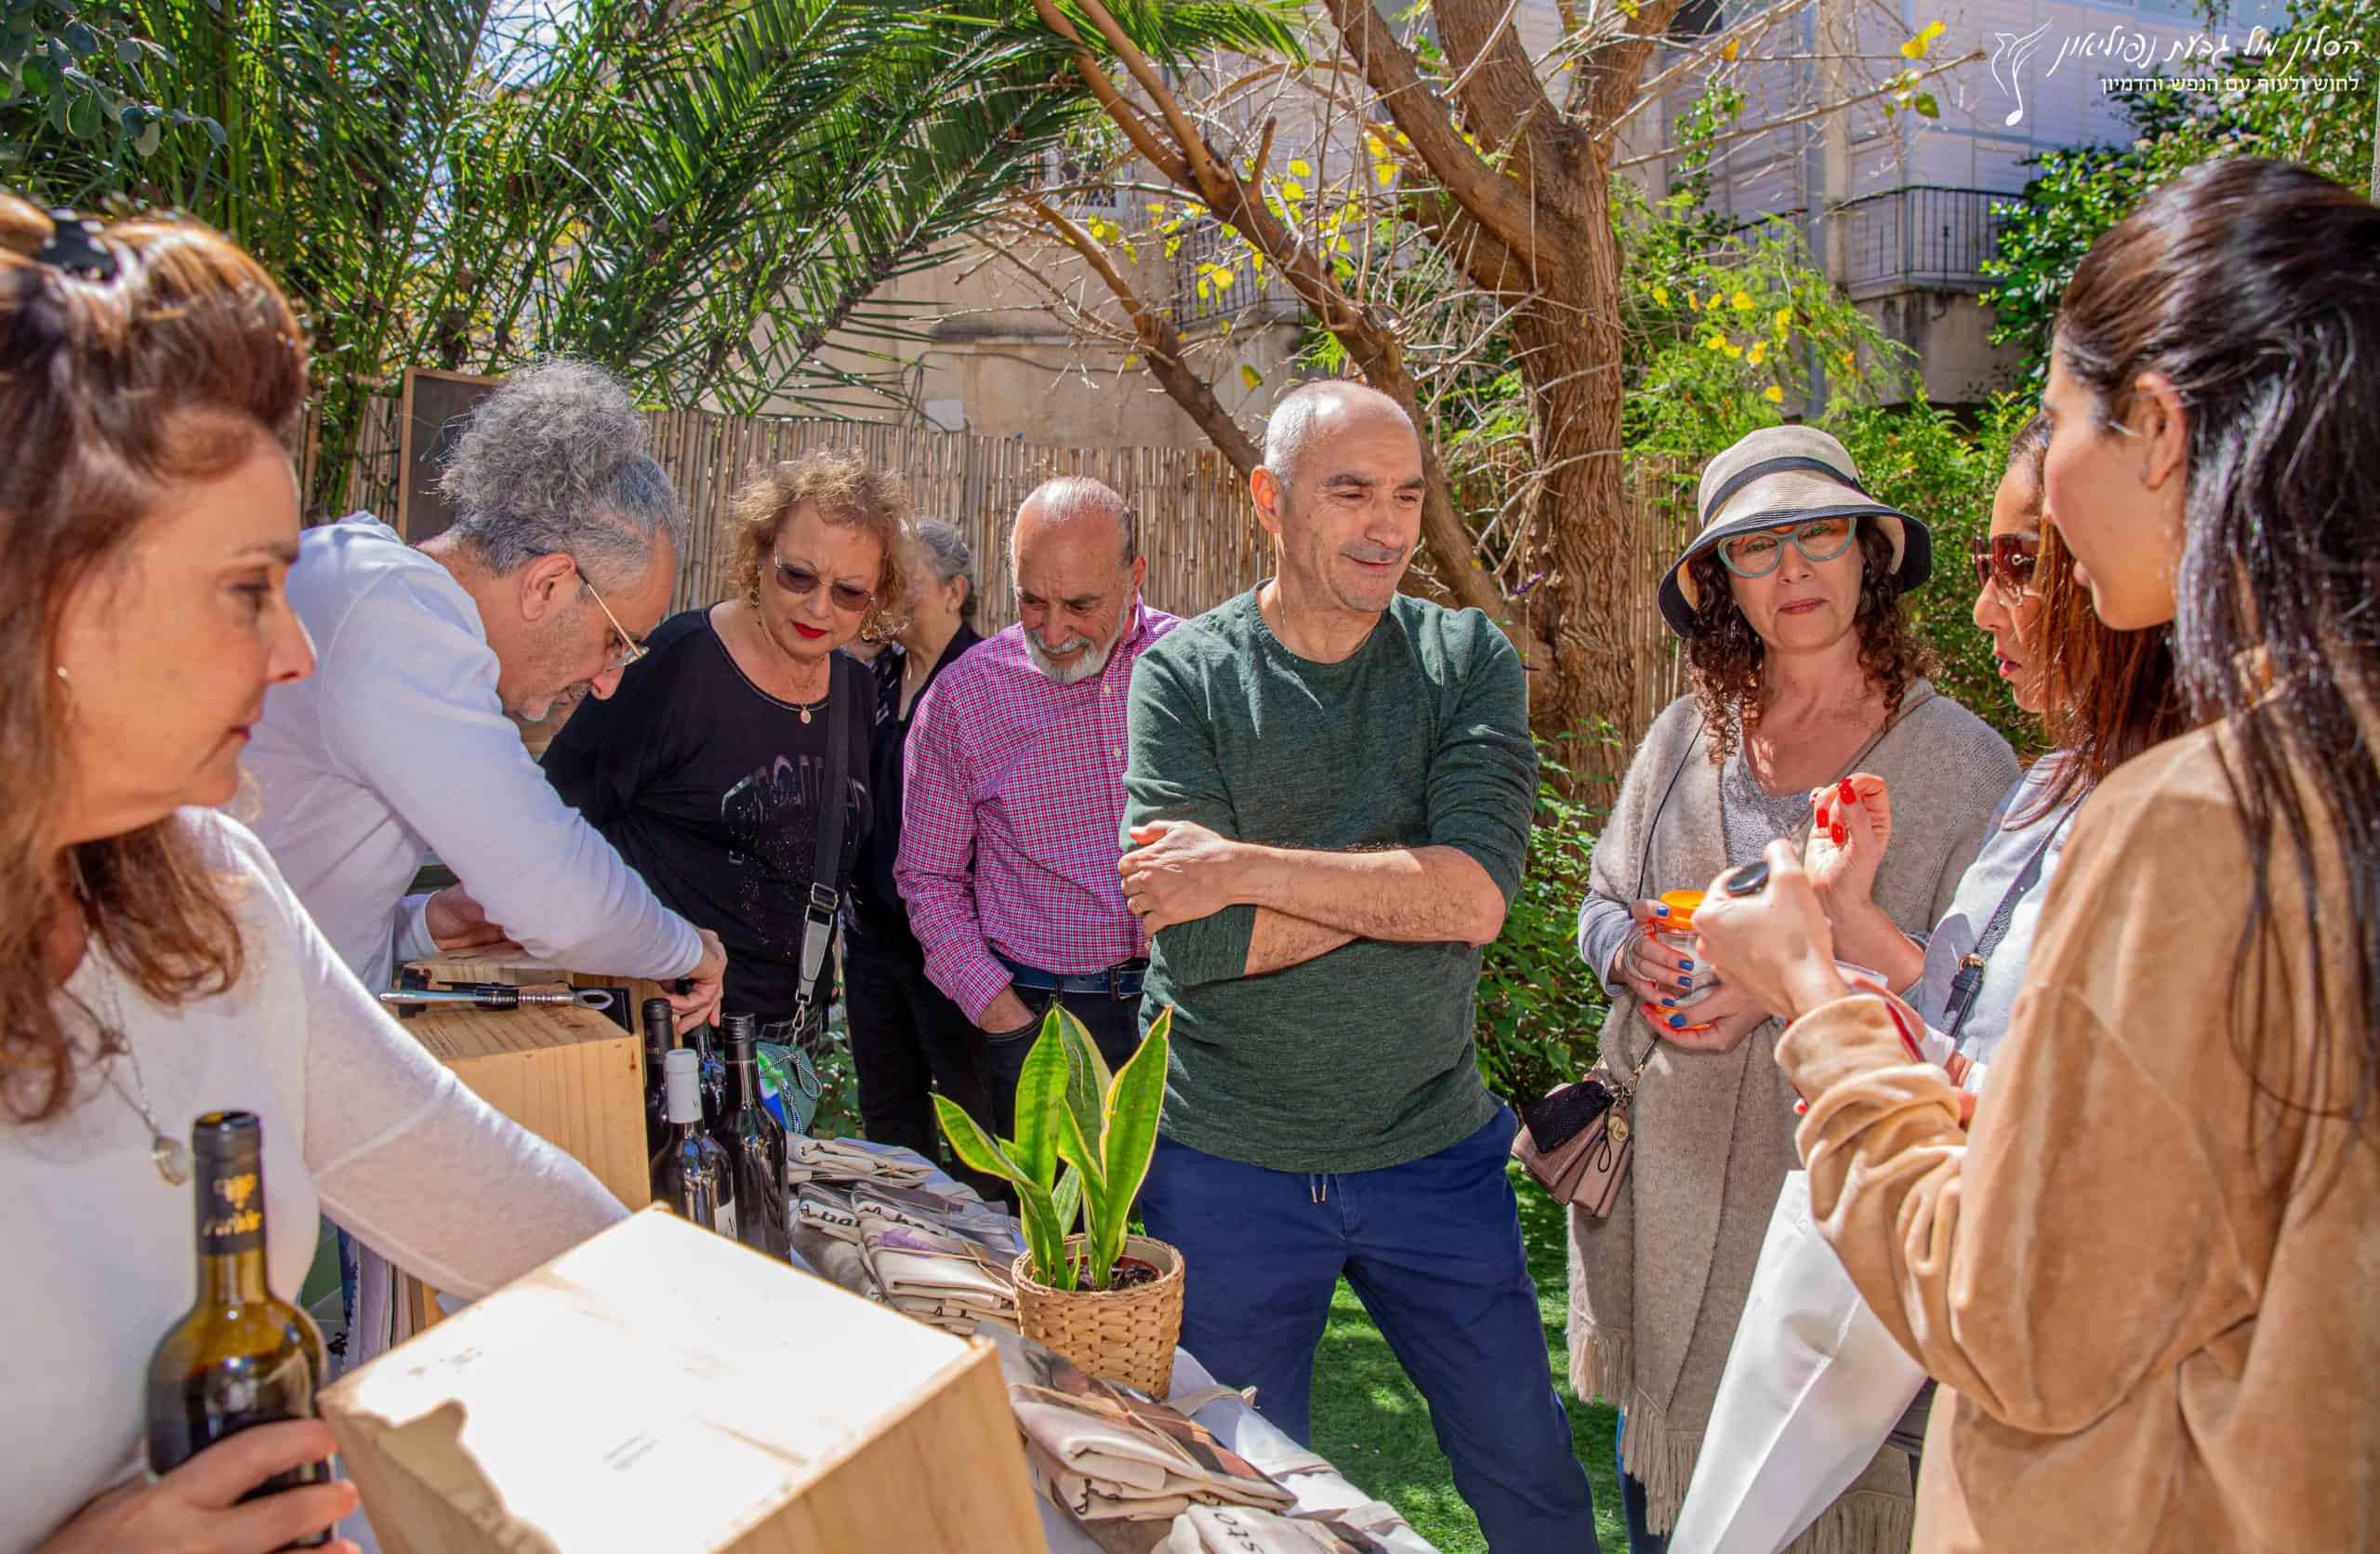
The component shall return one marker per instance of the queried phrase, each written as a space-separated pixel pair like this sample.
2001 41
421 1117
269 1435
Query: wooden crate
661 1390
570 1076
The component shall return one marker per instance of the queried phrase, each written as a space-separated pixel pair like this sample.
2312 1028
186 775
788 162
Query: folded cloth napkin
906 1259
1240 1530
853 1160
826 1211
1108 1453
941 1208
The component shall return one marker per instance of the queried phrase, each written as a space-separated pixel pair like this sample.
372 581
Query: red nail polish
1823 822
1839 834
1844 788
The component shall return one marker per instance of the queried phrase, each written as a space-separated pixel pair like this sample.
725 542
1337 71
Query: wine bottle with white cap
691 1173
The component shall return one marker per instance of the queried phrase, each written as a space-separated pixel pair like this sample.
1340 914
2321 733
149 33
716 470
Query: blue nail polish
1677 1022
1668 1003
1686 966
1660 911
1687 982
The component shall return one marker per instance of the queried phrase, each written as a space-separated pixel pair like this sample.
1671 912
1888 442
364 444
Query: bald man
1329 794
1014 793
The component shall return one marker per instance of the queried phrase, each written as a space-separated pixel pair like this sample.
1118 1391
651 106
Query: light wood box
570 1076
515 967
660 1389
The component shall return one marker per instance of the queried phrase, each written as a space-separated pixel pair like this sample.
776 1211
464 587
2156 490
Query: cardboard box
660 1389
570 1076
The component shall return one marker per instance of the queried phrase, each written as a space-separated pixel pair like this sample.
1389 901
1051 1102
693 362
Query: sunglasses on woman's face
1757 553
801 583
2004 564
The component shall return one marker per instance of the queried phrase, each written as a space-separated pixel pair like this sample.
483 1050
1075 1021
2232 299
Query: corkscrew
500 995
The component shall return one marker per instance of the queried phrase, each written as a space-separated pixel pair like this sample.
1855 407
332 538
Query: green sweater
1362 1057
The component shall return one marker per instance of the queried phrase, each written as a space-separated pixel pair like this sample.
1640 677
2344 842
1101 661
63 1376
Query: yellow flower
1773 394
1662 296
1742 302
1758 352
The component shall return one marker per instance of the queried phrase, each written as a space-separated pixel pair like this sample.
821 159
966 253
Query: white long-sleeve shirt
397 746
358 1119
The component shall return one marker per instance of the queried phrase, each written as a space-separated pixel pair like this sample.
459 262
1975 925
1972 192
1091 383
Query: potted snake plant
1108 1300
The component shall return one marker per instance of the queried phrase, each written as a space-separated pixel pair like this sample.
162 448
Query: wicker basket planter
1126 1336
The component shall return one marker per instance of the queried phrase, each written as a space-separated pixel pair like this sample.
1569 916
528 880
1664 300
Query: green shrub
1540 1007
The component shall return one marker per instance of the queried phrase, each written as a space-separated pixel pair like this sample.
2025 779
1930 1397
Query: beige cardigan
2161 1338
1656 1289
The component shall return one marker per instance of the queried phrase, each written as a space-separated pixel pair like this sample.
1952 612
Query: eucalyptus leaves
1101 1127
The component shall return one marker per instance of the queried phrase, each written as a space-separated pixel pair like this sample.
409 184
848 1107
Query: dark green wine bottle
755 1144
240 1357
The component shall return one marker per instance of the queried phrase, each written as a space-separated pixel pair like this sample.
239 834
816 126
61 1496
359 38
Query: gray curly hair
556 461
946 552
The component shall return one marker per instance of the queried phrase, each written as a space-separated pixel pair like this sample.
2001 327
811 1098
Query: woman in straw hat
2144 1277
1806 669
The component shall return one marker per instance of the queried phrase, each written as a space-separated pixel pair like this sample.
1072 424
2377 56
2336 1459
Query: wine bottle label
232 1219
726 1218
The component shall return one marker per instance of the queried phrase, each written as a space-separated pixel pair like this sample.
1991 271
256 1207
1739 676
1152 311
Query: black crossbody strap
1969 981
818 914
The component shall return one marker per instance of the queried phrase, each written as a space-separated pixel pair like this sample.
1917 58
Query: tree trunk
1569 351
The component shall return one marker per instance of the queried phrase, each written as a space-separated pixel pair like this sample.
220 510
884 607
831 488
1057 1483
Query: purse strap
818 913
1969 981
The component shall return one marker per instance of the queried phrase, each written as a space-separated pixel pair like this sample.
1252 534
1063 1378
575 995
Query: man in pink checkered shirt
1014 793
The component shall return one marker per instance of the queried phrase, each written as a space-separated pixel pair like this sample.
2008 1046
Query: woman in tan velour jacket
2148 1272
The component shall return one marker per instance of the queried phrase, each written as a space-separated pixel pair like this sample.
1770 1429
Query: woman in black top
710 768
907 1037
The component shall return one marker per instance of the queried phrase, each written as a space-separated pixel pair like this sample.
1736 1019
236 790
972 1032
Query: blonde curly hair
847 491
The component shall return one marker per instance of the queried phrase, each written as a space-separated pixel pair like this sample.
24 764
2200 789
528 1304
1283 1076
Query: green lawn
1369 1420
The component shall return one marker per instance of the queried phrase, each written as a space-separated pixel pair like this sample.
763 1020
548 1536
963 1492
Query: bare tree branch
1496 202
1158 341
1617 68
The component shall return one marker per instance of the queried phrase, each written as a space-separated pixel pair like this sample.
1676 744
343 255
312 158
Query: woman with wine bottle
154 963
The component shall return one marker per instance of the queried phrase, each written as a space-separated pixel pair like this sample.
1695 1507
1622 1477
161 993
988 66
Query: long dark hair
2107 696
114 388
1725 655
2252 287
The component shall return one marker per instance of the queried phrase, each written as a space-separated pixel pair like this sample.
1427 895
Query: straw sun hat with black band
1778 476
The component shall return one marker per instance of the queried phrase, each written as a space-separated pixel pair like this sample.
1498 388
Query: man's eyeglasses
801 583
629 649
1757 553
2005 564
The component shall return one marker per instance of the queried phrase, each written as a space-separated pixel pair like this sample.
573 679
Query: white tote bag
1814 1385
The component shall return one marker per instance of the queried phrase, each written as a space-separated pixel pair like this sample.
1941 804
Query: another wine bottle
241 1357
713 1071
691 1173
755 1143
660 1037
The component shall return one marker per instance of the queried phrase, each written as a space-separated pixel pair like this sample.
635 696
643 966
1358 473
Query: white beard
1082 669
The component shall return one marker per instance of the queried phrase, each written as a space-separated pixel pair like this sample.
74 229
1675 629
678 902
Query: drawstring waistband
1319 1187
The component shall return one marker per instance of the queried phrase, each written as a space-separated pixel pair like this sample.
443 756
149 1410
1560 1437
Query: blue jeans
1434 1250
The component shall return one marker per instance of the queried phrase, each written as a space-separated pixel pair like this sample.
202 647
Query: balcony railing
1924 238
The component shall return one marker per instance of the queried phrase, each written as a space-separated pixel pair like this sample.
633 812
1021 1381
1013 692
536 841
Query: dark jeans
907 1040
1114 1024
1434 1250
1632 1502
